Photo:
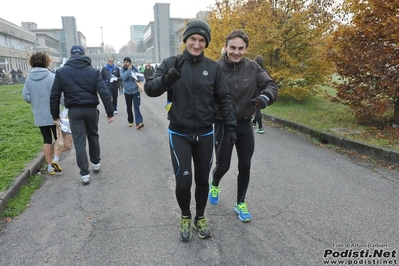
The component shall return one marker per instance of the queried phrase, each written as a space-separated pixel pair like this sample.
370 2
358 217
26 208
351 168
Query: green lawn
20 139
322 114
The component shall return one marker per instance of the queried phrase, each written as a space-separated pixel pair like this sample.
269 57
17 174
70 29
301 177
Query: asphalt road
309 204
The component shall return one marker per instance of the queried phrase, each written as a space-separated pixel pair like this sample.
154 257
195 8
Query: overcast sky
114 16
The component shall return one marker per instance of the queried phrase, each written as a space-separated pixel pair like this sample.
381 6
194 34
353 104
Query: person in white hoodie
36 91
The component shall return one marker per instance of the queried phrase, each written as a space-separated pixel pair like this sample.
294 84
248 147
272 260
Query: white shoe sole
85 181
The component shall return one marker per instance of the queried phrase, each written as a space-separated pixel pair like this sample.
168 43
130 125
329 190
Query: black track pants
245 145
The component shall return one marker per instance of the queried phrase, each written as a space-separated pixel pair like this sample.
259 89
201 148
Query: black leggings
245 145
200 149
48 133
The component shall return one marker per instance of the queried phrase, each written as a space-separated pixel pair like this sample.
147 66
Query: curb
31 169
377 153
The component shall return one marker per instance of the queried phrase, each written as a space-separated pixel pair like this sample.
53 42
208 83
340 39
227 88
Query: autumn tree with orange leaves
365 49
291 35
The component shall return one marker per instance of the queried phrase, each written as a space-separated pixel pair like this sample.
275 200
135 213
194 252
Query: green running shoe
185 228
201 226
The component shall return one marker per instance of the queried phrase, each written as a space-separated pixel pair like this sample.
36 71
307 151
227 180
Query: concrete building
136 33
71 35
16 46
148 34
57 42
162 37
47 40
165 38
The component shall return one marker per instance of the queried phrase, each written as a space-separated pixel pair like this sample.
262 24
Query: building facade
136 33
162 37
16 46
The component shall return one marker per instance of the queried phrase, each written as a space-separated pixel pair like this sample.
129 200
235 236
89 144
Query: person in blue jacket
132 94
36 91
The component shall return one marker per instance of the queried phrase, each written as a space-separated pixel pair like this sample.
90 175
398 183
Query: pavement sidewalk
377 153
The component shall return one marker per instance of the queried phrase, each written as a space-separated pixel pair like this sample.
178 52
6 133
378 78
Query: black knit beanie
127 59
198 26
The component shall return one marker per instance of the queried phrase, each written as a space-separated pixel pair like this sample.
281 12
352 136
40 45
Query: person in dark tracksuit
81 84
250 87
195 85
111 75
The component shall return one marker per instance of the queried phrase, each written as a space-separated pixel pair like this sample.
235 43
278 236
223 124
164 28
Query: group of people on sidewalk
14 73
210 107
76 86
121 80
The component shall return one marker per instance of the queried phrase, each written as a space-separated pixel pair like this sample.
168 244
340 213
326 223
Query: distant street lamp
102 40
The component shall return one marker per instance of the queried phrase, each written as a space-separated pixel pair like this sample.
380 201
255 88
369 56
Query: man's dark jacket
246 81
80 83
106 76
195 95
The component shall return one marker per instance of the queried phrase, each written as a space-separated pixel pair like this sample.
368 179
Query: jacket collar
233 65
192 58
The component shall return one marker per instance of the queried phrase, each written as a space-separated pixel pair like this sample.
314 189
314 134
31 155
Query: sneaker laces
202 224
185 223
242 207
214 191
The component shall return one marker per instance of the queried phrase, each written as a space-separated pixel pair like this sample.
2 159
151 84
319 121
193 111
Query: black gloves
174 73
261 101
231 136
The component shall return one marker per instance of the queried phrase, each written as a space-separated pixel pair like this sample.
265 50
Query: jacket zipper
235 68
